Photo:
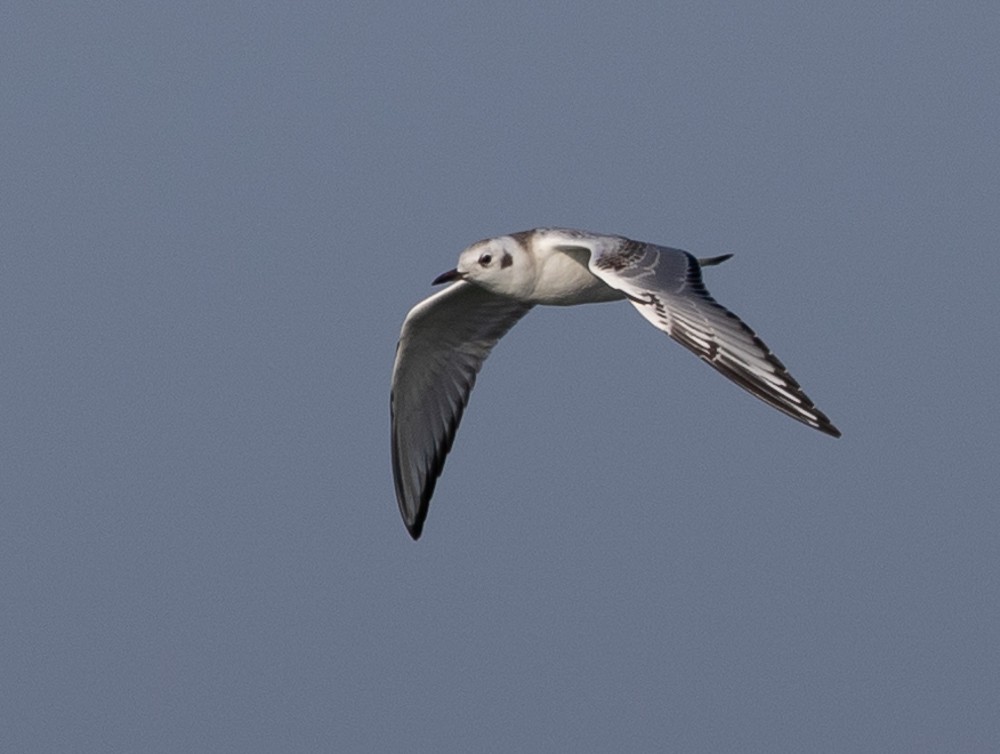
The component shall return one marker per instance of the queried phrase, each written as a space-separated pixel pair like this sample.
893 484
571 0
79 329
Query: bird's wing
444 341
665 285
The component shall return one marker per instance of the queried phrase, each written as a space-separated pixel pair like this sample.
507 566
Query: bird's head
501 265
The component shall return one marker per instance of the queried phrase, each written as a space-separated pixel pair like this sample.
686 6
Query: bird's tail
709 261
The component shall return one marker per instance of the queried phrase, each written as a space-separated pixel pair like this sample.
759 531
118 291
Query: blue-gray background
214 219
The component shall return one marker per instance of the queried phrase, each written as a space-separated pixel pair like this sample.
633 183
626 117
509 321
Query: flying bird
446 337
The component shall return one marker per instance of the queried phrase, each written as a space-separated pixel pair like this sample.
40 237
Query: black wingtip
829 429
415 529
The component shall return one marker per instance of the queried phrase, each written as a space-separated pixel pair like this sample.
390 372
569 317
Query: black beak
448 277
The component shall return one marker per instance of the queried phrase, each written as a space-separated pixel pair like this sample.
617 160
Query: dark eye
485 259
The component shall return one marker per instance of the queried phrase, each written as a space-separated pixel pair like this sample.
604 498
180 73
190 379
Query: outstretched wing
444 341
665 285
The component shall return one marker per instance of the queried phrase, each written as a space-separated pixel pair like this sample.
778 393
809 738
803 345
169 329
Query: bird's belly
566 280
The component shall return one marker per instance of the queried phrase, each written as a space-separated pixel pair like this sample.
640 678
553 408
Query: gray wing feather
444 341
665 285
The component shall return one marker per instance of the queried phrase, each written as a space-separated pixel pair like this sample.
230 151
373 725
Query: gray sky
213 221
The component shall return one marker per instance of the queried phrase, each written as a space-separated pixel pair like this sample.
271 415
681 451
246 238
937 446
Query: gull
446 337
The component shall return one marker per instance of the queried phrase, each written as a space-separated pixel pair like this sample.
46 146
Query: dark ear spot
506 260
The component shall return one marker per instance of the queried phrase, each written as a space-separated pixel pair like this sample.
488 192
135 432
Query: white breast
563 279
